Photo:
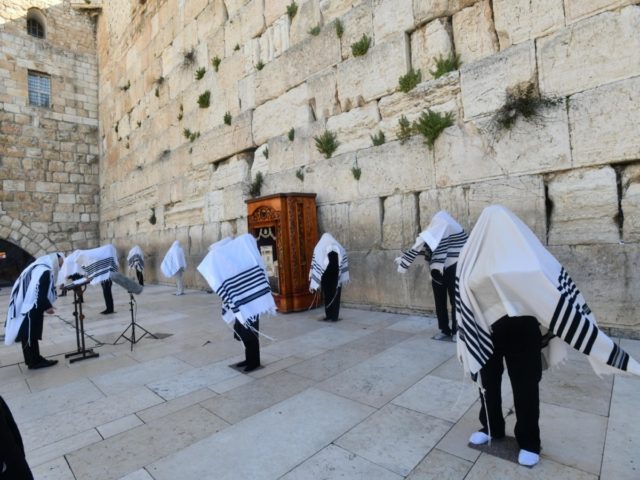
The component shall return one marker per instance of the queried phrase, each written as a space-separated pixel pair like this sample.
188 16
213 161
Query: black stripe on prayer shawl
244 287
136 262
101 267
478 341
23 287
448 248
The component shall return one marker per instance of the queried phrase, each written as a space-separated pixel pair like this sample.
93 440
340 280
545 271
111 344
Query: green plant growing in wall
181 113
126 86
157 92
188 57
138 123
404 130
300 174
204 98
430 125
237 47
187 133
378 139
327 143
315 31
523 100
227 118
152 218
339 28
292 9
292 134
116 126
260 65
265 153
215 61
356 172
361 47
445 65
256 186
158 81
200 73
409 81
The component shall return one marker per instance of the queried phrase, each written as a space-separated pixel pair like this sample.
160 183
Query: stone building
198 96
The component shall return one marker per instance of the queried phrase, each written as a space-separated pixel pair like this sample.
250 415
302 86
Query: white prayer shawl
236 272
69 267
135 259
24 293
320 261
97 263
445 238
173 261
504 270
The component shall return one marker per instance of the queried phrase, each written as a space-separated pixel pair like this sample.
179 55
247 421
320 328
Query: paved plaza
369 397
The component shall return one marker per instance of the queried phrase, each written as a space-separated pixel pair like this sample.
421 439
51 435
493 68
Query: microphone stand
132 339
82 353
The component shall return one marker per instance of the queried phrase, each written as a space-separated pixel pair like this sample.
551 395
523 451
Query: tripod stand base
132 339
83 355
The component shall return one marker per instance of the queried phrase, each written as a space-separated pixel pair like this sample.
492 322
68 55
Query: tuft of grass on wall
404 130
378 139
292 9
315 31
522 101
300 174
409 81
256 186
361 47
215 62
292 134
204 98
445 65
339 28
431 124
356 172
327 143
200 73
227 118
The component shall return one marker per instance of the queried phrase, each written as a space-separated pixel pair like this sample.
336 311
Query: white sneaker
479 438
441 336
528 459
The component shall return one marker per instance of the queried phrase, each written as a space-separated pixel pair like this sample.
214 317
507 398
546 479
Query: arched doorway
13 260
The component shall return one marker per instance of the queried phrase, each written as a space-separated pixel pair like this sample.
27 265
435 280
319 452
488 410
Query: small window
39 89
35 28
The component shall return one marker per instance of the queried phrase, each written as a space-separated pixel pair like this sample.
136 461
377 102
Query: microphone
126 283
76 283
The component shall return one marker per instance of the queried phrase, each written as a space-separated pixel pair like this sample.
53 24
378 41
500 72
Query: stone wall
49 157
571 172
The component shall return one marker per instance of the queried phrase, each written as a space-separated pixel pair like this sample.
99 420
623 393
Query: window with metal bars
35 28
39 89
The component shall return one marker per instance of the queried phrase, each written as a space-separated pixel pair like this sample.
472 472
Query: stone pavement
369 397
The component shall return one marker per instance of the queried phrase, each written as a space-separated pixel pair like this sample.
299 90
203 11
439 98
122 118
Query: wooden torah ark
286 230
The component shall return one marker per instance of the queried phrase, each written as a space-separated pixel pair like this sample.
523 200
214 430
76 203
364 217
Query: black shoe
107 312
241 364
251 368
42 363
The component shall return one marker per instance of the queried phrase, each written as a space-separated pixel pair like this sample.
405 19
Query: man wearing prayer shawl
329 270
511 296
33 295
236 272
13 464
135 260
440 243
174 265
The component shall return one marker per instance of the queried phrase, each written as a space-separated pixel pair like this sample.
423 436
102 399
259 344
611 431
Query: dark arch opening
13 260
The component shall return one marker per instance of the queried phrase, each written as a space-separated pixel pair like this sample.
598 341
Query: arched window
36 23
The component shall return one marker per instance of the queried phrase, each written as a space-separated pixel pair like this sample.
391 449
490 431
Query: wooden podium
286 230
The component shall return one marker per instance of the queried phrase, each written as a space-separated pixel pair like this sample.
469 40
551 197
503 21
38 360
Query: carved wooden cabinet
286 230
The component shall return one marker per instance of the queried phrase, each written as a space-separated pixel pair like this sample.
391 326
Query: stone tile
277 445
15 389
414 324
334 462
210 353
378 341
60 448
57 469
378 380
131 450
246 400
620 460
450 403
118 426
271 366
451 370
233 382
123 378
456 440
329 363
521 20
572 438
141 474
395 438
439 465
495 468
192 380
172 406
43 431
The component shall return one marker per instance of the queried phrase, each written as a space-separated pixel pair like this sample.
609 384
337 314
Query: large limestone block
604 123
274 40
392 168
578 9
215 44
210 23
484 83
599 50
323 93
353 127
451 200
585 207
194 7
429 42
332 9
391 16
631 203
277 116
473 32
366 78
331 219
517 21
297 64
332 179
356 22
233 7
225 140
247 92
365 224
607 277
400 221
308 17
274 9
426 10
225 204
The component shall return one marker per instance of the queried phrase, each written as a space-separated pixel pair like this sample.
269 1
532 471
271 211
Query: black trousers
251 342
445 285
29 339
518 341
108 297
12 457
140 277
330 289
